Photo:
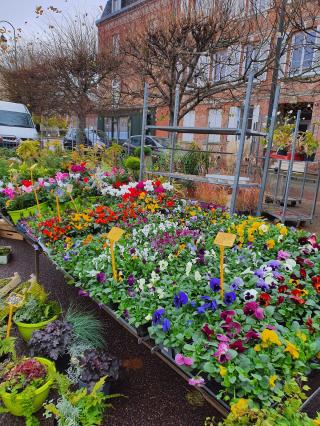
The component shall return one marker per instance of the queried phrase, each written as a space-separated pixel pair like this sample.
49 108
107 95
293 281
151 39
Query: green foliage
132 163
113 155
35 311
28 150
6 343
282 136
86 327
309 142
137 151
195 162
78 408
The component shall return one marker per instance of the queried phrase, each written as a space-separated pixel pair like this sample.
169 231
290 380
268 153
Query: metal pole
143 130
268 150
15 42
175 123
290 168
303 181
241 145
315 198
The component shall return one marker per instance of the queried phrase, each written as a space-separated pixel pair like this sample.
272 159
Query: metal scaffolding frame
234 181
289 211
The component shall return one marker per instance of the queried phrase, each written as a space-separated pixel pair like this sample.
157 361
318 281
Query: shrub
137 151
132 163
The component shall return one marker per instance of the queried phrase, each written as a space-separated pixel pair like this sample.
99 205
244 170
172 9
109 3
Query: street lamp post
3 39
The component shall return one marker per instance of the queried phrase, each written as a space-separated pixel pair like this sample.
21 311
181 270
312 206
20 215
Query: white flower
161 293
163 264
148 317
188 268
263 228
154 277
289 264
167 186
249 295
197 276
170 257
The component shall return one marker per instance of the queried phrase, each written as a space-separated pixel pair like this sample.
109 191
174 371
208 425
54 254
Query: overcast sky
21 13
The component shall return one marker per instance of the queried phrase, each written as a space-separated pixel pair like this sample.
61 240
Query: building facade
119 15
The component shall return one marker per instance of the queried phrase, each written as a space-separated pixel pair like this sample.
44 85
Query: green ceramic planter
29 211
26 330
15 404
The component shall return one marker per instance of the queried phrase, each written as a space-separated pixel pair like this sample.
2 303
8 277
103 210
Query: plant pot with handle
27 212
5 253
23 318
33 398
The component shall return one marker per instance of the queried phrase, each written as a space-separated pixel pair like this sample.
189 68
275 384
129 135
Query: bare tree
207 48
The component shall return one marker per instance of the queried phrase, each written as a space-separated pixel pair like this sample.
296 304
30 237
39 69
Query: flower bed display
260 333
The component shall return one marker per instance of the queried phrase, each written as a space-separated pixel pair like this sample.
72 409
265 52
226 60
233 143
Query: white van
16 124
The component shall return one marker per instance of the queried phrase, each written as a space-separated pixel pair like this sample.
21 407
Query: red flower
170 203
26 183
309 324
207 331
264 299
303 273
280 300
85 180
283 289
237 346
280 278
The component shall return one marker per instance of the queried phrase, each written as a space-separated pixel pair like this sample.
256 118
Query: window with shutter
233 123
189 121
214 121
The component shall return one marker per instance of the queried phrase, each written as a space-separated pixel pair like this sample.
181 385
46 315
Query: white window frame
189 117
116 44
303 47
115 5
216 116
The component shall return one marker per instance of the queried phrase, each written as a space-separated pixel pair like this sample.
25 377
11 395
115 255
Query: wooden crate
9 231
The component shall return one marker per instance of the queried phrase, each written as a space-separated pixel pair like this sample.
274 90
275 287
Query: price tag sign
115 234
14 300
223 239
69 188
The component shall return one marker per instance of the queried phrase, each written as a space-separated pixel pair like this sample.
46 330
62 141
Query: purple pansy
180 299
215 284
101 277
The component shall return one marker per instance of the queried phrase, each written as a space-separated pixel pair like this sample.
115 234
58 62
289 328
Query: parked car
90 137
154 142
16 124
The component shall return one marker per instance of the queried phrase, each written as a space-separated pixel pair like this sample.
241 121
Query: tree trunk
81 129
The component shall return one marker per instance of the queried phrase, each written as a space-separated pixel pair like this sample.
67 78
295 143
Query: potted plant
78 408
5 252
34 315
25 385
53 342
93 365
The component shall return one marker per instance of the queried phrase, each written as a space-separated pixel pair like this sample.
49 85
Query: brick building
119 14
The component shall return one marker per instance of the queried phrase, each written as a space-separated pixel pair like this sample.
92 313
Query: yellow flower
284 231
272 380
316 422
142 195
239 408
223 370
302 336
257 348
292 349
269 336
270 244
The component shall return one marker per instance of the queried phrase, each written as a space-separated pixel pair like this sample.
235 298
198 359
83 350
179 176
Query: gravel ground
155 395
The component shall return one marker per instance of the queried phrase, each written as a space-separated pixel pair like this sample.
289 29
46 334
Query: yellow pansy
272 380
257 348
223 370
270 336
239 408
292 349
263 228
270 244
303 337
142 195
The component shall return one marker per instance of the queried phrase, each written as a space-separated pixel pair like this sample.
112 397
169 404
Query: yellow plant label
224 239
115 234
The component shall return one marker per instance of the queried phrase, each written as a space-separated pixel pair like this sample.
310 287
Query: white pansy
163 264
148 317
188 268
160 292
170 257
263 228
197 276
154 277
